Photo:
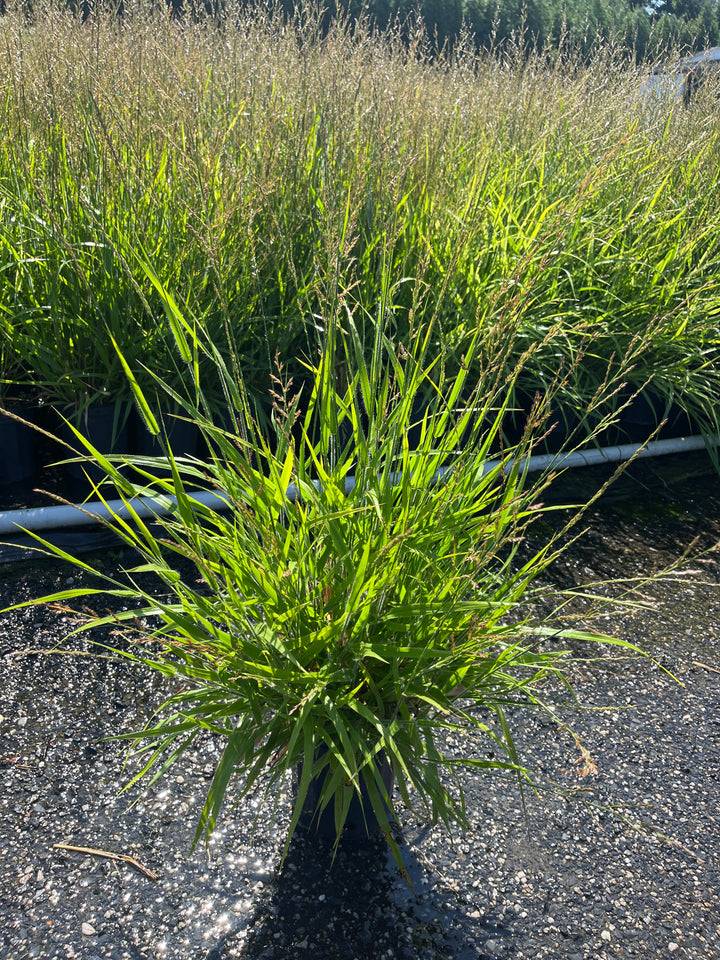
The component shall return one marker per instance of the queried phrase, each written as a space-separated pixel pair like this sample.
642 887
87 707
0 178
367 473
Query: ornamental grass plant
363 591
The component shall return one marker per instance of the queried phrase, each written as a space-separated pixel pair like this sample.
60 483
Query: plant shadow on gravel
357 906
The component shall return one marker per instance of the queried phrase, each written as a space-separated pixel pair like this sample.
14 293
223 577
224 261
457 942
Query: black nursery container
646 411
105 425
182 435
17 447
361 820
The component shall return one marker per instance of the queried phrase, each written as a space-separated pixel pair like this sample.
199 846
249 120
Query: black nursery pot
361 821
646 411
183 437
17 447
106 426
558 427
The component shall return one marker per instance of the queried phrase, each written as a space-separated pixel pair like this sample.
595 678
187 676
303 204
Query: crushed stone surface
619 859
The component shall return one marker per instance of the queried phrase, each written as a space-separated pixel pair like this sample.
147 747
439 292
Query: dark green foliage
647 29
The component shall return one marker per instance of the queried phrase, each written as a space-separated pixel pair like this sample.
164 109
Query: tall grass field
278 182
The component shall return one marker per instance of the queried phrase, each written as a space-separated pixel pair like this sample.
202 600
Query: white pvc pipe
80 514
624 451
76 515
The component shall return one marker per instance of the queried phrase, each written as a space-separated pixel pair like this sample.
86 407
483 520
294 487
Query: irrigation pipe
76 515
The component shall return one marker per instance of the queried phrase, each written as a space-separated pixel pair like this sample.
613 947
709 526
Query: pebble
88 929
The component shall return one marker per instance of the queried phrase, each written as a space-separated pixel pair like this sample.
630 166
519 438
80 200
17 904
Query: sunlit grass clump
364 591
274 177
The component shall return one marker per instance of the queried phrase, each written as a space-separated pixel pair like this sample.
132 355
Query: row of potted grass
279 182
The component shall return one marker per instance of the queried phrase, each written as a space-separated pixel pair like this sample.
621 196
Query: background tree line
648 28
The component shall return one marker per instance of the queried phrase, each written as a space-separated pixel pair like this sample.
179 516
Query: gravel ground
622 862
